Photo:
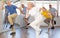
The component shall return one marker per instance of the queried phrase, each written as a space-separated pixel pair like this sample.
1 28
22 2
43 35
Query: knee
9 17
25 18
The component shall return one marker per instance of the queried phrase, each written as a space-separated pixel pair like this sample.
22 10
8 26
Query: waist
40 16
13 13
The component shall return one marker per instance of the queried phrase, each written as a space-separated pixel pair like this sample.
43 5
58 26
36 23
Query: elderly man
53 12
12 14
34 11
24 10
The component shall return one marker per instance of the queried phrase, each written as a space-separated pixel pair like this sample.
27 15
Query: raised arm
20 10
2 7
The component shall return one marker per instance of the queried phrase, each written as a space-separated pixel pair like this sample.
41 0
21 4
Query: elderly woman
34 11
1 15
47 15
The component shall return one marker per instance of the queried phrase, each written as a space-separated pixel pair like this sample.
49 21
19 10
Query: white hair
32 3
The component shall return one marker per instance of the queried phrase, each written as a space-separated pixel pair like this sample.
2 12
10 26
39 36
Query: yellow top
46 14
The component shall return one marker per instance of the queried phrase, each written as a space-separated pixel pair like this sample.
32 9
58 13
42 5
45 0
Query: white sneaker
39 31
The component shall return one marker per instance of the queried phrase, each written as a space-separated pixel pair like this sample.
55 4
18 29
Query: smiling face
30 5
8 2
22 5
50 6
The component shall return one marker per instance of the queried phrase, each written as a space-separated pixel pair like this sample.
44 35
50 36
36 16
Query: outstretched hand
2 2
2 5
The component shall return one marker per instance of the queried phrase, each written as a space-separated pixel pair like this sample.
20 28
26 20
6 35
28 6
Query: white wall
42 3
38 4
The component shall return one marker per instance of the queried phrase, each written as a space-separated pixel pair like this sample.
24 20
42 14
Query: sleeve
37 8
5 7
55 9
6 12
14 6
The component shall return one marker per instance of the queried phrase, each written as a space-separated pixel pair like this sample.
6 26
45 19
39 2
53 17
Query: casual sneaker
41 32
52 27
26 27
28 23
13 33
11 26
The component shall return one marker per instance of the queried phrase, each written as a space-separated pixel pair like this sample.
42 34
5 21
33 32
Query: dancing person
53 12
12 14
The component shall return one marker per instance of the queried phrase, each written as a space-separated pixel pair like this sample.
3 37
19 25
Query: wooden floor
20 33
30 33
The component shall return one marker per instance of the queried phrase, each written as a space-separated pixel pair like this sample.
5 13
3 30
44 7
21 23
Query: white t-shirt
35 12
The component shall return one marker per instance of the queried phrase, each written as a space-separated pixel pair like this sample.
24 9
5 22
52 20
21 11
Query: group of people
40 15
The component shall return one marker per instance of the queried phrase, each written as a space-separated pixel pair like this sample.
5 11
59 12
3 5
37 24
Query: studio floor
30 33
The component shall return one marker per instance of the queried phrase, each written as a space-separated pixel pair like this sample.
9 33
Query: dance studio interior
29 18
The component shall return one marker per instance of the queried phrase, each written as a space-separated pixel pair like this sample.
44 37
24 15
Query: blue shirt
11 9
